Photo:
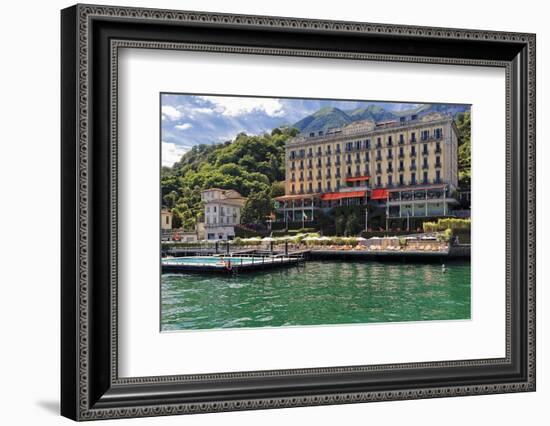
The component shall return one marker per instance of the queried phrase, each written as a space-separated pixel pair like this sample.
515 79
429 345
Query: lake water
317 293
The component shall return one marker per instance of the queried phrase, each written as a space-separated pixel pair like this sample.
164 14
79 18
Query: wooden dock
230 265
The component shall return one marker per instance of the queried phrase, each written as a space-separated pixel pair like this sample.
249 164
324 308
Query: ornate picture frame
91 38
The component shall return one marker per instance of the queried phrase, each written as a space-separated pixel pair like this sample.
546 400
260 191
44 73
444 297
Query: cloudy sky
189 120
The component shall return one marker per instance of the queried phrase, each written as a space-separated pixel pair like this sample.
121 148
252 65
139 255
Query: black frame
90 387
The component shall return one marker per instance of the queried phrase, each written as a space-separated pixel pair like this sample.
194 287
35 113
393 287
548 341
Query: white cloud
170 112
235 106
183 126
172 153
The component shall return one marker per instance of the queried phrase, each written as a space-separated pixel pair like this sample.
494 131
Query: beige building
165 219
222 211
408 166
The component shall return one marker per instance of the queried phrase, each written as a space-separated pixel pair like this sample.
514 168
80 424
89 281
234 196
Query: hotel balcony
438 165
425 166
389 170
425 152
438 150
378 171
401 155
378 158
389 157
400 169
413 154
413 167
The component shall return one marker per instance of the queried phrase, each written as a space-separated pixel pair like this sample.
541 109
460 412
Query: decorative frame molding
91 388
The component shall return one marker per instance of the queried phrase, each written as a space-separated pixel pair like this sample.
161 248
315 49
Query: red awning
357 178
379 194
340 195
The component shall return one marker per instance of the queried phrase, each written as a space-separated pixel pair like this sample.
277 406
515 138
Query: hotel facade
406 168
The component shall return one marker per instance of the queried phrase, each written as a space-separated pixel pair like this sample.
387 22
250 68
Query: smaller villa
222 211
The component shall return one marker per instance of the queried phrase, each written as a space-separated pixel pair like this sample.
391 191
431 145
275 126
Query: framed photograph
263 212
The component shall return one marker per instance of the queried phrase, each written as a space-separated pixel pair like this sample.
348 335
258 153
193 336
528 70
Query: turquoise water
317 293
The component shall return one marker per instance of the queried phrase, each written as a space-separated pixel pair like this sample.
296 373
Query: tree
352 224
340 223
464 127
257 207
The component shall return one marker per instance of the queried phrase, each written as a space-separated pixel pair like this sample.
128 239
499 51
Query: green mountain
323 120
372 112
330 117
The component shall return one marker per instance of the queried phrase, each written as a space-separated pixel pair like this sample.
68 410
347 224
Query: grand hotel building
403 168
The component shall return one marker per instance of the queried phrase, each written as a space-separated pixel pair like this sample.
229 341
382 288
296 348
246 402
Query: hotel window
357 170
437 147
390 180
401 179
390 167
401 139
413 150
293 189
367 158
337 148
413 137
401 167
378 181
301 175
424 135
319 151
378 142
425 178
413 178
302 153
328 185
292 165
349 171
214 209
357 157
318 162
425 149
390 141
357 145
207 209
378 155
367 144
319 186
310 187
401 152
349 146
438 133
301 188
437 176
438 161
348 159
292 154
328 149
310 152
